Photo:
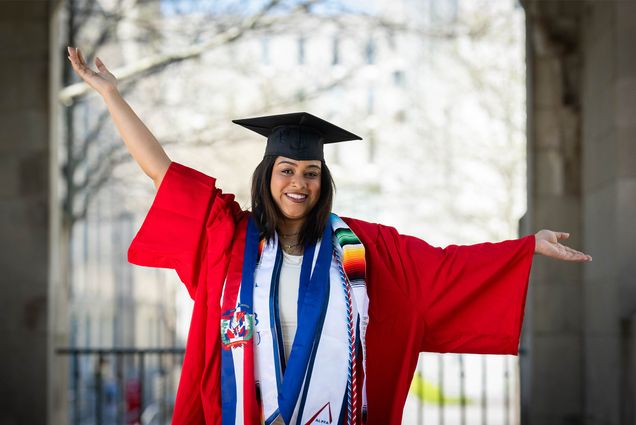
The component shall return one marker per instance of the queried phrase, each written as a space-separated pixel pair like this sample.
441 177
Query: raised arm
141 143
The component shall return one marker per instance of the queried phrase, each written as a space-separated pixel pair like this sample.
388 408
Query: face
295 186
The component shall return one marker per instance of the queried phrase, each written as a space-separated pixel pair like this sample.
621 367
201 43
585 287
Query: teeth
296 195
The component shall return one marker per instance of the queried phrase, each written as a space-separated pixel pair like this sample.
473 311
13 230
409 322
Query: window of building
73 336
151 333
265 60
398 78
301 50
87 331
372 146
335 58
370 51
390 39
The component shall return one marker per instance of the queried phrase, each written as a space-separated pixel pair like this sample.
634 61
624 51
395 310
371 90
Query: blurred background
482 120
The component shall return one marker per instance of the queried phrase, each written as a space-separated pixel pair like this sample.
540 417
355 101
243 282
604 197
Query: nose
298 181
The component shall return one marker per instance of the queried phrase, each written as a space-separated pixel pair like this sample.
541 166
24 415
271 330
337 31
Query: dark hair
267 214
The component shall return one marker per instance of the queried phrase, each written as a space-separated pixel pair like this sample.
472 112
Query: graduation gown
459 299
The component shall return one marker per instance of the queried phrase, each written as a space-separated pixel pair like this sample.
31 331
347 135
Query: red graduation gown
460 299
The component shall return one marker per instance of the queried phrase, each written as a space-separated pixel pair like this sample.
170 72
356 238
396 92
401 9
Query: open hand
547 243
102 81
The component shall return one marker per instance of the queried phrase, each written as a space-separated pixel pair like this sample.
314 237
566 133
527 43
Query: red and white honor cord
352 388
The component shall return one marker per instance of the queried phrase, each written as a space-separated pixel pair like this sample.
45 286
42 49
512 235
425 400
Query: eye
312 174
287 171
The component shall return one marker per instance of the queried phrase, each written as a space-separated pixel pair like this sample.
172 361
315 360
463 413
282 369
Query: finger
562 235
100 65
571 252
566 253
79 68
575 255
575 252
75 60
583 258
562 250
81 60
80 57
83 71
71 54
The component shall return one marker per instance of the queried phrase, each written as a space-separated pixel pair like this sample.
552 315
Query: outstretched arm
547 243
141 143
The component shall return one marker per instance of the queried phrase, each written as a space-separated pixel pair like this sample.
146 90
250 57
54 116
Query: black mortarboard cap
299 135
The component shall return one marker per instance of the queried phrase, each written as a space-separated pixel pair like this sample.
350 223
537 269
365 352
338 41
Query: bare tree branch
69 93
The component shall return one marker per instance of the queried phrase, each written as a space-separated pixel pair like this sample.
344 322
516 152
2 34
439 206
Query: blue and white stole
318 383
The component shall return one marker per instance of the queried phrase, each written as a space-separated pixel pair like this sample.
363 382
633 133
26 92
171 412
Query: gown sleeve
173 234
471 298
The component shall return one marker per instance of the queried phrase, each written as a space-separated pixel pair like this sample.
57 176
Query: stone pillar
581 361
29 298
609 186
552 359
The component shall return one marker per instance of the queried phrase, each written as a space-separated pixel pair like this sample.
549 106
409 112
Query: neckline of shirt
292 260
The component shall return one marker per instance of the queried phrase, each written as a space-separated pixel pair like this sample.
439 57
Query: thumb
562 235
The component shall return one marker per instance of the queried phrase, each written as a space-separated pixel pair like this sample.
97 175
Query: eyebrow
295 164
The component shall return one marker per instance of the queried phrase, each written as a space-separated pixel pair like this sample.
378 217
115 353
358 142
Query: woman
301 316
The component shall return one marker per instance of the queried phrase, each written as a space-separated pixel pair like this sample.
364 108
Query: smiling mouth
296 197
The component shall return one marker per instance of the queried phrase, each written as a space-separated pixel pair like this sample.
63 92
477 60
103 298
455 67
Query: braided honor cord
352 393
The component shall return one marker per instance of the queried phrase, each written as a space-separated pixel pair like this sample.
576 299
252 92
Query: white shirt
288 298
288 303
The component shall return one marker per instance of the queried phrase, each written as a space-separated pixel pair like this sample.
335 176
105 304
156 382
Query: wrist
536 244
110 94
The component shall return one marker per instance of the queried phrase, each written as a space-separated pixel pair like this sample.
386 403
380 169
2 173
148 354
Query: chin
294 213
294 216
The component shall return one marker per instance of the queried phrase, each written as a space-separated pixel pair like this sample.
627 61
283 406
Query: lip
297 200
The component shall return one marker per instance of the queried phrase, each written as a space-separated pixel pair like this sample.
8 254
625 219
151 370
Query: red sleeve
459 299
468 298
172 234
471 297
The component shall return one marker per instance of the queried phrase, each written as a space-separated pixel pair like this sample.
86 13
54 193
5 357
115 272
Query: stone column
581 361
609 194
552 359
30 294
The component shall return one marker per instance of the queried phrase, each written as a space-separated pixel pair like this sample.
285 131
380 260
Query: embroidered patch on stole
237 327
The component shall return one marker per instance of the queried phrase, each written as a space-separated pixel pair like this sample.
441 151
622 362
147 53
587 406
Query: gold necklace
291 246
291 251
